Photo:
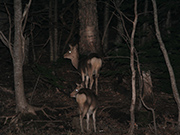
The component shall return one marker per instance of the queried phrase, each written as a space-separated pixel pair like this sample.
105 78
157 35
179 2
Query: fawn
87 66
88 104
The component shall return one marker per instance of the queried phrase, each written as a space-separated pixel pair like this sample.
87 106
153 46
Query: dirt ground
60 116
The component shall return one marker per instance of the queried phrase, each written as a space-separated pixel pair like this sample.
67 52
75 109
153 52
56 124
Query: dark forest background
38 25
115 74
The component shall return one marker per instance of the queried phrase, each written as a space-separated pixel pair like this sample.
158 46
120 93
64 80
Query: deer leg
83 113
91 81
81 118
96 86
83 77
87 120
94 120
81 124
87 81
96 79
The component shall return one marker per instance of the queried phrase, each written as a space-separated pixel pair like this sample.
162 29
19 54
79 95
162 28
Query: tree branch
9 42
25 14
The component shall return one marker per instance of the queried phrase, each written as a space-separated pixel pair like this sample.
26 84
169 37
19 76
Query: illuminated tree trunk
133 100
18 58
89 34
168 63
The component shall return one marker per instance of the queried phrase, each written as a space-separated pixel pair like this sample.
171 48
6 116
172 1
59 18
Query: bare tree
168 63
131 129
18 53
130 40
89 34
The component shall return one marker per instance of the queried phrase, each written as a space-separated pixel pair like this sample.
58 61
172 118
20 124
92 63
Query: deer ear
76 45
82 84
77 84
70 45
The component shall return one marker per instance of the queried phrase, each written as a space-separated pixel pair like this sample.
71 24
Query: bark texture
89 34
21 104
133 101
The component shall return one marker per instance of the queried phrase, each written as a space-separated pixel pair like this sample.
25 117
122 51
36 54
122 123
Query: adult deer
88 104
88 66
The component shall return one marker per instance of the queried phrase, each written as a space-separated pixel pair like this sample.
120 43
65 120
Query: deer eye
77 90
69 51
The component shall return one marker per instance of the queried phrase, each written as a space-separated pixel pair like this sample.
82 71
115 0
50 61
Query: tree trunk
89 34
120 32
147 84
133 101
53 29
51 32
106 19
168 22
147 89
21 104
32 42
144 30
56 30
119 27
168 63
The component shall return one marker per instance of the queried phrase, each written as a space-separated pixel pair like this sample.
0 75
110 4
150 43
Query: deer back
86 62
88 98
85 96
90 63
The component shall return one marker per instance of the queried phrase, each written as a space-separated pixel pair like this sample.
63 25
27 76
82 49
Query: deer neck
75 61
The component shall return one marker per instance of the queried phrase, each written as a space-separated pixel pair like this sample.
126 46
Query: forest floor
60 116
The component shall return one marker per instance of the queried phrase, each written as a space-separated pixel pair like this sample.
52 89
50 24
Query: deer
88 104
88 66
